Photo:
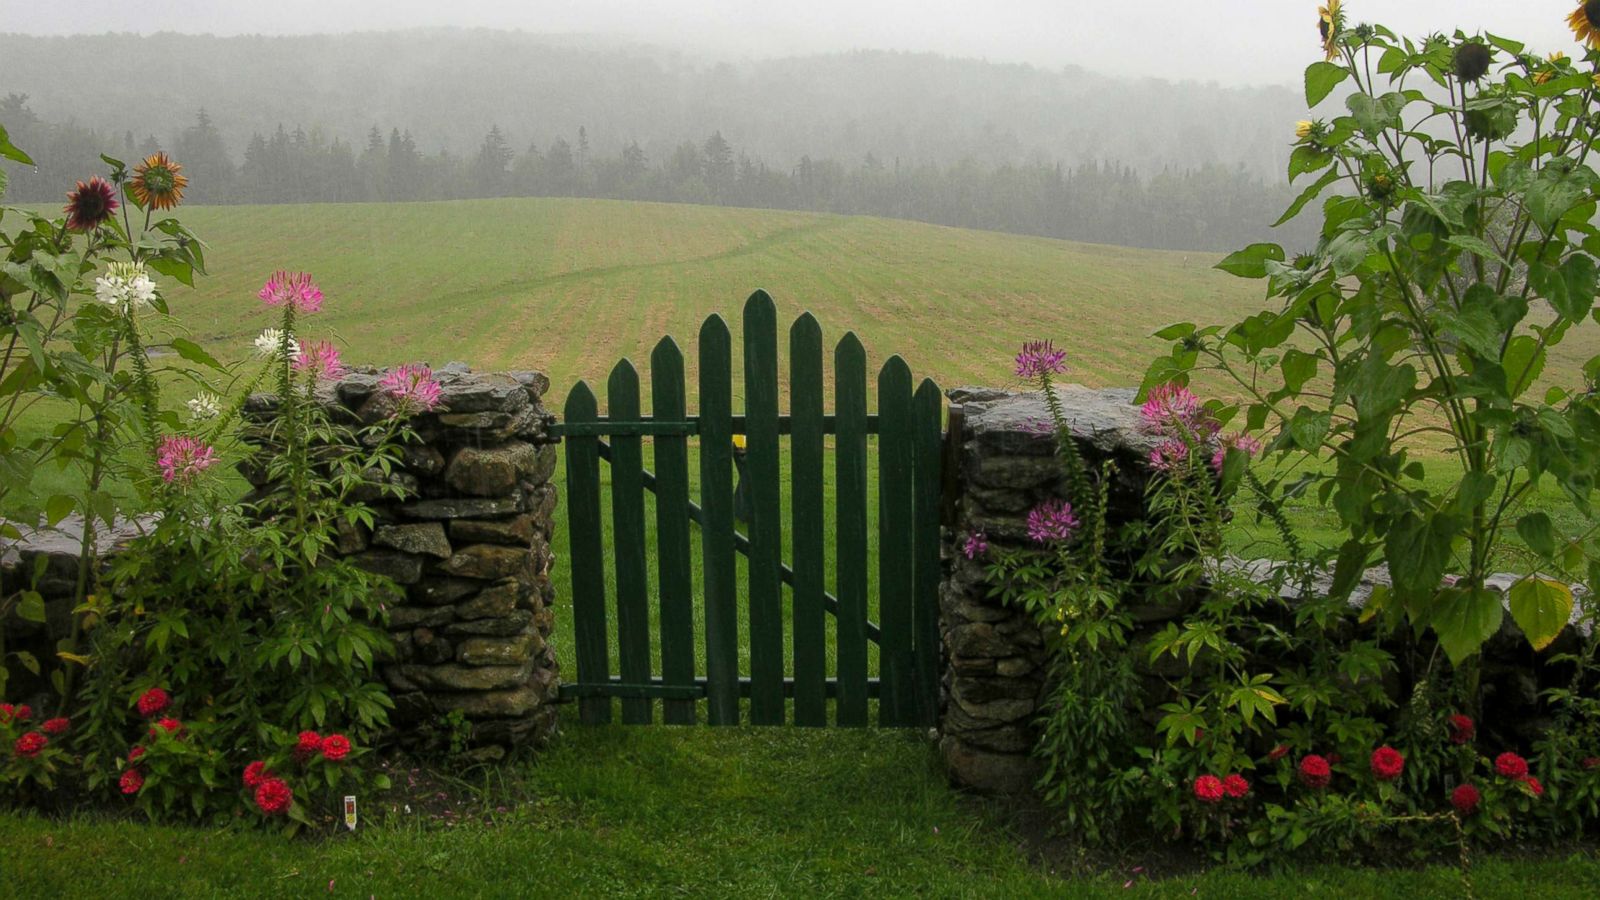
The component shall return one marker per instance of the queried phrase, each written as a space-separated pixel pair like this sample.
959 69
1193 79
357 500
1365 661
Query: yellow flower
157 182
1585 23
1302 129
1556 58
1330 21
1596 78
738 442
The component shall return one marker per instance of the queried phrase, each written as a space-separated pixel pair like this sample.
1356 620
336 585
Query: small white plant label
350 812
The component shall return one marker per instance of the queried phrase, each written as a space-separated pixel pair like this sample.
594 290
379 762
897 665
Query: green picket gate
906 635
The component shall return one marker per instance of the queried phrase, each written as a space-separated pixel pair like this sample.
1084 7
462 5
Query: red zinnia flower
90 204
1465 799
23 712
57 726
335 747
1235 785
131 781
1278 752
1387 763
257 772
1208 788
1462 729
30 744
1511 765
1533 785
6 712
1591 762
308 745
153 701
135 753
273 796
1315 771
169 725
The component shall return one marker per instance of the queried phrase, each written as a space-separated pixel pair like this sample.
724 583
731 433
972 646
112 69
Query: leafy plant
1457 251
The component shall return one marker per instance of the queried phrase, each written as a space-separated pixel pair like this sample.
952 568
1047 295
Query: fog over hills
448 86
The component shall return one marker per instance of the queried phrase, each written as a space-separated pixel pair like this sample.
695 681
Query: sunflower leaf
11 151
1321 79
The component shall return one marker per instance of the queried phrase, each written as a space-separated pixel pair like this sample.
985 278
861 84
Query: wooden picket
908 456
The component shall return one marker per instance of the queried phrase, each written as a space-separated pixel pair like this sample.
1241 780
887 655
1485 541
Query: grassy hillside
570 286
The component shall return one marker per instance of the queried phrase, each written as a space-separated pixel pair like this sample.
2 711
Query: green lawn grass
618 811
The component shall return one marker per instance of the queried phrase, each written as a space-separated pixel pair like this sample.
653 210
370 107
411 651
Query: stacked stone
996 652
468 543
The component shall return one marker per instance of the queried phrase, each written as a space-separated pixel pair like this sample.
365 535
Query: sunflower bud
1302 129
1471 61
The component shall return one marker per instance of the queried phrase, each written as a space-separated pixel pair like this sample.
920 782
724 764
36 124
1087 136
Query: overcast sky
1230 41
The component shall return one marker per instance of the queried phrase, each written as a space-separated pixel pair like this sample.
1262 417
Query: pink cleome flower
181 458
976 545
414 386
1040 358
292 289
1249 444
1171 455
1052 521
321 358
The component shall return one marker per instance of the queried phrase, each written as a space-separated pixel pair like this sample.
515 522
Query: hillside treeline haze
458 114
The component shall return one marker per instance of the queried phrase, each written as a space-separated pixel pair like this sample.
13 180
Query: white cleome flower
125 286
206 406
269 342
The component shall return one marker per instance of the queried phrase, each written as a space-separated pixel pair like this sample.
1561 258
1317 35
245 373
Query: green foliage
1457 253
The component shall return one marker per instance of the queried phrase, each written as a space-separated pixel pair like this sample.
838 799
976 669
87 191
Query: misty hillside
447 87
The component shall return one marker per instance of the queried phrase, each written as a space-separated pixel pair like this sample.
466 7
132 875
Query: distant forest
445 115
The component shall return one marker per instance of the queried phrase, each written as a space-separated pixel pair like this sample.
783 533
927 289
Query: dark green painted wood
628 549
896 522
675 576
604 425
587 556
850 466
716 531
766 511
926 648
805 448
657 688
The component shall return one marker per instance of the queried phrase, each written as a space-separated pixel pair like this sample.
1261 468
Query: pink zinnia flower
1052 520
1169 456
1040 358
1236 785
131 781
1240 441
976 545
181 458
321 358
292 289
414 386
1208 789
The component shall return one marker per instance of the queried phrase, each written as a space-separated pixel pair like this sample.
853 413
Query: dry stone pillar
995 653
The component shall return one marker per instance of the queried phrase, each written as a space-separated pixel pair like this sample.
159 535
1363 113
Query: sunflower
158 182
1555 60
1585 23
1330 21
1471 61
90 204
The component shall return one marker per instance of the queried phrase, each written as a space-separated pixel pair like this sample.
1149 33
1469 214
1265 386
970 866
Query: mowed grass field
568 287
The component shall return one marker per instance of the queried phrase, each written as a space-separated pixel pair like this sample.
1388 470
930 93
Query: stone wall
469 546
1004 457
1005 464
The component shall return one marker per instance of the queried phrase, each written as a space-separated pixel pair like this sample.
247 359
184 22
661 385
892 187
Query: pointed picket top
623 375
895 367
807 325
580 402
849 347
761 301
666 352
714 327
928 389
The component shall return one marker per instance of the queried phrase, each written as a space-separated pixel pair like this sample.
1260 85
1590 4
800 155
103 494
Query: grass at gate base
618 811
